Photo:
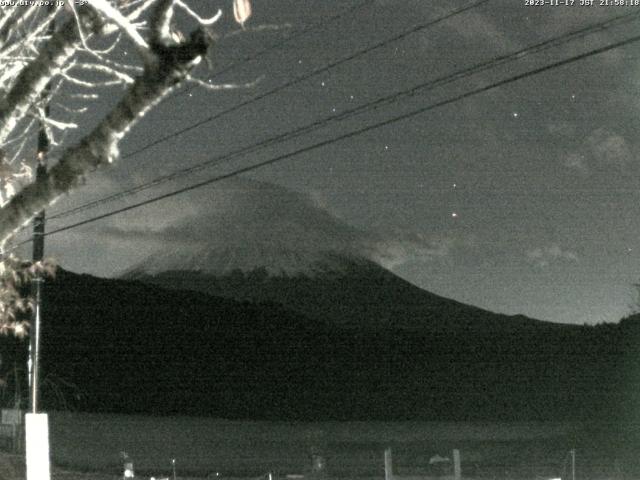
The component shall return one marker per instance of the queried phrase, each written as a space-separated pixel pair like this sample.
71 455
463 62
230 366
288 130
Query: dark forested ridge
134 347
346 291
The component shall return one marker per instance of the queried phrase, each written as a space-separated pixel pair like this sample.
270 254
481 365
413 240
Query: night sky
521 199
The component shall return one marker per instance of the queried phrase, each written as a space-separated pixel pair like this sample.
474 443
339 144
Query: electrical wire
307 76
317 71
354 133
429 85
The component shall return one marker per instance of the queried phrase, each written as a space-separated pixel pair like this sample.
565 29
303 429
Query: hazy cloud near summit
242 211
545 256
601 149
608 147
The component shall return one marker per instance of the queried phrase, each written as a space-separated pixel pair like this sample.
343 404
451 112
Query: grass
204 446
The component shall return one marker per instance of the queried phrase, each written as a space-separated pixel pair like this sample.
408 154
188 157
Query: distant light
454 215
515 114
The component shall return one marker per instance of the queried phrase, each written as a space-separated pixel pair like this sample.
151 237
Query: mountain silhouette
113 345
268 307
262 243
347 291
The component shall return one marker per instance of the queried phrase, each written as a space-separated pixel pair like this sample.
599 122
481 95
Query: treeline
121 346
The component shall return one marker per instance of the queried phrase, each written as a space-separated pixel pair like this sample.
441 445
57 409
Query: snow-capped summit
273 259
246 225
261 243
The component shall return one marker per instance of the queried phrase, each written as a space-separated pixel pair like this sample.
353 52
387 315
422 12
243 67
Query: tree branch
170 65
33 78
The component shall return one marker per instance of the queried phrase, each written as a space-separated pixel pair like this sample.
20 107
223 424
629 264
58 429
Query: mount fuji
260 304
261 243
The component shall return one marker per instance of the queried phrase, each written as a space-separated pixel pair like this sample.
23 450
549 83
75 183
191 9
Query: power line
351 134
440 81
290 83
248 58
306 76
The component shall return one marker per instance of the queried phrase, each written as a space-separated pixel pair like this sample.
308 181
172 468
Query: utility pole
36 283
37 424
38 244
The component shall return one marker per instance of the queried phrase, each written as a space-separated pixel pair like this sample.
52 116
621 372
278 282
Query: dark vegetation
139 348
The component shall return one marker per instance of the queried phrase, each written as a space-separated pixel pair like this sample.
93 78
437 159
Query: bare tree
145 48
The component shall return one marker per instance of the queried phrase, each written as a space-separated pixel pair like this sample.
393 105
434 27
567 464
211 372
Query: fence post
388 465
457 470
318 462
127 466
573 464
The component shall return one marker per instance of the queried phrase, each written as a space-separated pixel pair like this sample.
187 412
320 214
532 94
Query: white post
457 470
128 469
37 446
573 464
388 465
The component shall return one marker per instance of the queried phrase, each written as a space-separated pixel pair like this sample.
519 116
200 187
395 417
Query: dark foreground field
217 448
